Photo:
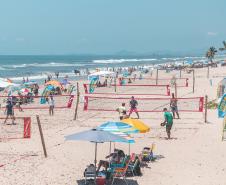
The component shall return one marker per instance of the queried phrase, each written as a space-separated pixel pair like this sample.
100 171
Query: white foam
51 64
115 61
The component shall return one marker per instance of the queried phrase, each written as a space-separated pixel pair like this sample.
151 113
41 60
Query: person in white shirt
51 106
122 111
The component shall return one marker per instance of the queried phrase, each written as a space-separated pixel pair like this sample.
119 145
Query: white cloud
210 33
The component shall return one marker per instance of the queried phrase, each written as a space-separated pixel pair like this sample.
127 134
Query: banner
222 107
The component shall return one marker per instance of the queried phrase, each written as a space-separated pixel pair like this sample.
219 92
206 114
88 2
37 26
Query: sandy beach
195 156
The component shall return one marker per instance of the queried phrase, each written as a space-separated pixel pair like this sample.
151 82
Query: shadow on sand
116 182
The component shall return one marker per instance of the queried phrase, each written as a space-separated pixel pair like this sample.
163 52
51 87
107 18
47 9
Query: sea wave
51 64
116 61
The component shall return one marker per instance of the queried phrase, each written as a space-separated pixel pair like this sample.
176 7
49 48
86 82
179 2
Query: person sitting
129 81
115 158
122 112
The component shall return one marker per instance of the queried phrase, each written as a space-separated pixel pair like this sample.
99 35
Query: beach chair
132 167
90 173
120 173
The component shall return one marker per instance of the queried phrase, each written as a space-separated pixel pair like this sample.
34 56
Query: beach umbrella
53 83
96 136
24 90
118 127
139 125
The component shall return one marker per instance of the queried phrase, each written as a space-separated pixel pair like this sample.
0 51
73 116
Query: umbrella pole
110 148
95 162
129 149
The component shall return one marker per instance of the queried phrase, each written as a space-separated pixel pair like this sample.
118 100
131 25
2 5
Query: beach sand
196 155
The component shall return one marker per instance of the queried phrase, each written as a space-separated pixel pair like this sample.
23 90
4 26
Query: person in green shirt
168 122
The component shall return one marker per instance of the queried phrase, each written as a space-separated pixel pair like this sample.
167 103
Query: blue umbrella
117 127
96 136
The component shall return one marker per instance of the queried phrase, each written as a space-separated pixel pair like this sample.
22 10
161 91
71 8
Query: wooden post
77 102
41 135
193 81
175 86
180 73
115 84
224 125
206 102
157 76
208 71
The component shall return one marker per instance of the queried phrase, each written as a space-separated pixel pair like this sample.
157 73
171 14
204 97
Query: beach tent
221 89
5 83
101 74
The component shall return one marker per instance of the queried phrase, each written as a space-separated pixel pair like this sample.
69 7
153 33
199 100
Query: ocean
38 67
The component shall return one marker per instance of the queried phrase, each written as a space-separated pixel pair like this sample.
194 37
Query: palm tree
211 53
224 48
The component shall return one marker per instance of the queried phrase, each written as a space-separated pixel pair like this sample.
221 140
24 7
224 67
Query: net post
115 85
76 108
157 76
193 86
208 71
27 127
41 135
206 102
223 129
175 86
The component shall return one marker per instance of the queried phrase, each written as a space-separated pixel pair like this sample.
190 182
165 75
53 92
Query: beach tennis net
133 89
181 82
37 102
15 128
92 103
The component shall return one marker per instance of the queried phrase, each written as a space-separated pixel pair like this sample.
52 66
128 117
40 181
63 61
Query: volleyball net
15 128
37 102
133 89
181 82
92 103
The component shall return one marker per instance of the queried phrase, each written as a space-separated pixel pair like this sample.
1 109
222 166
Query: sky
37 27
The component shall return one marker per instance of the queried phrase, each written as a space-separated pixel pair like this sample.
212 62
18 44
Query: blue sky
109 26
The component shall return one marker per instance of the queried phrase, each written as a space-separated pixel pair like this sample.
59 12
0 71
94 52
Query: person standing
168 122
133 107
9 112
51 106
173 106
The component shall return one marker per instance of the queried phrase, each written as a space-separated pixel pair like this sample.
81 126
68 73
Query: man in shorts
168 122
133 107
173 106
9 112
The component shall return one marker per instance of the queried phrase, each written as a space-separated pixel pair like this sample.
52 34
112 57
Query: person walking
168 122
173 106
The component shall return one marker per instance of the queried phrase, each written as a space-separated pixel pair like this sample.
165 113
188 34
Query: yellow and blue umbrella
137 124
118 127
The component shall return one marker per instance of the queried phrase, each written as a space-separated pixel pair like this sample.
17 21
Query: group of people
168 116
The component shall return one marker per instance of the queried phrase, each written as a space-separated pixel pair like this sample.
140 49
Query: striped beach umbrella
118 127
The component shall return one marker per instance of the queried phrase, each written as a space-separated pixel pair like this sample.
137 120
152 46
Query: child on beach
51 106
